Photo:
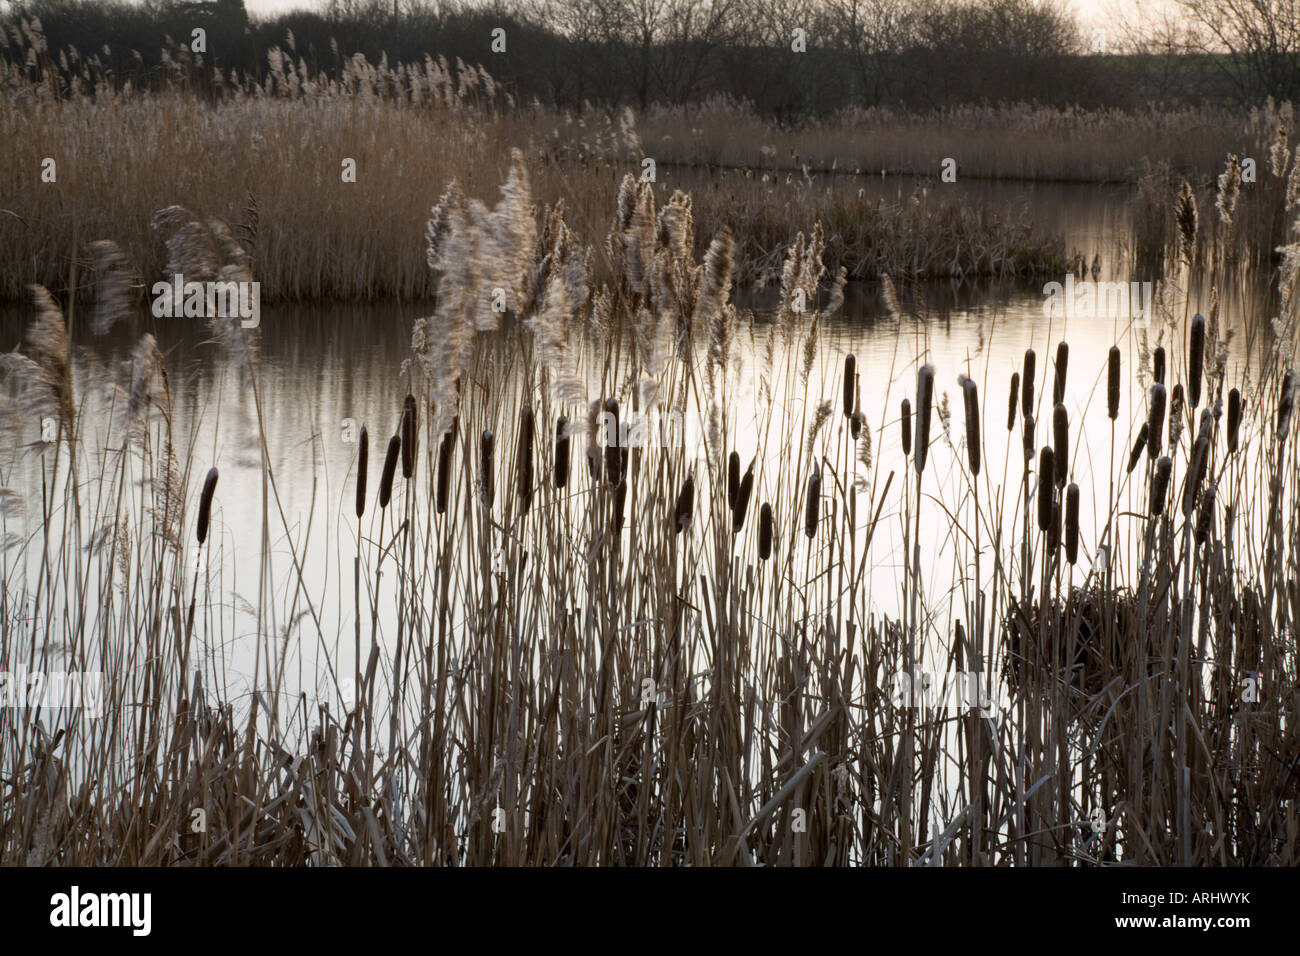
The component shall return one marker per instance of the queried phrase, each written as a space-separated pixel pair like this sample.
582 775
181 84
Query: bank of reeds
607 665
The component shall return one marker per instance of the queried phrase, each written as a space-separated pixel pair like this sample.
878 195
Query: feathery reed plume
614 451
1229 190
205 503
524 460
390 469
1186 216
733 479
1234 418
1072 523
1158 365
813 509
685 504
1205 518
1027 383
1176 405
742 499
924 401
562 451
445 451
1139 444
1156 419
1061 443
906 421
850 384
1046 486
1286 404
486 476
1013 400
765 532
363 458
1062 368
1195 473
115 285
1112 383
1027 438
408 436
1160 485
1195 359
970 395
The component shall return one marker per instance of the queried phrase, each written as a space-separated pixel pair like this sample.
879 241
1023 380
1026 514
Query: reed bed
568 648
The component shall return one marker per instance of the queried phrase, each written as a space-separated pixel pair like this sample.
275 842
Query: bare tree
1258 40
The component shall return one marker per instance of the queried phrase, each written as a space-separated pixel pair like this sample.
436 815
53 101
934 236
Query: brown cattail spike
924 403
205 503
1205 518
1061 443
390 469
1062 367
363 458
813 509
562 452
445 451
1046 495
1195 359
1234 418
1286 404
970 395
1027 383
1072 523
742 499
1195 473
620 504
906 420
524 460
685 505
1158 365
1160 485
1028 438
1156 420
850 384
407 432
1112 383
486 475
733 480
765 532
1012 401
1139 444
614 442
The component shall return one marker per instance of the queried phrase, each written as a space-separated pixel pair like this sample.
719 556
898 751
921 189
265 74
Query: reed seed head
1112 383
1195 359
205 503
390 469
363 458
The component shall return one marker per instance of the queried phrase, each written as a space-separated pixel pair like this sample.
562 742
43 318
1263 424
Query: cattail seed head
205 503
1054 529
1195 473
685 504
733 480
742 499
1046 486
1028 437
1205 517
613 448
1062 367
924 402
486 474
1195 359
620 504
1156 420
1061 443
363 458
562 439
1012 401
445 450
1176 404
906 420
390 469
850 384
1072 523
1160 485
1112 383
1286 404
524 460
855 422
970 396
814 506
1027 383
765 532
407 432
1139 444
1158 365
1234 418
